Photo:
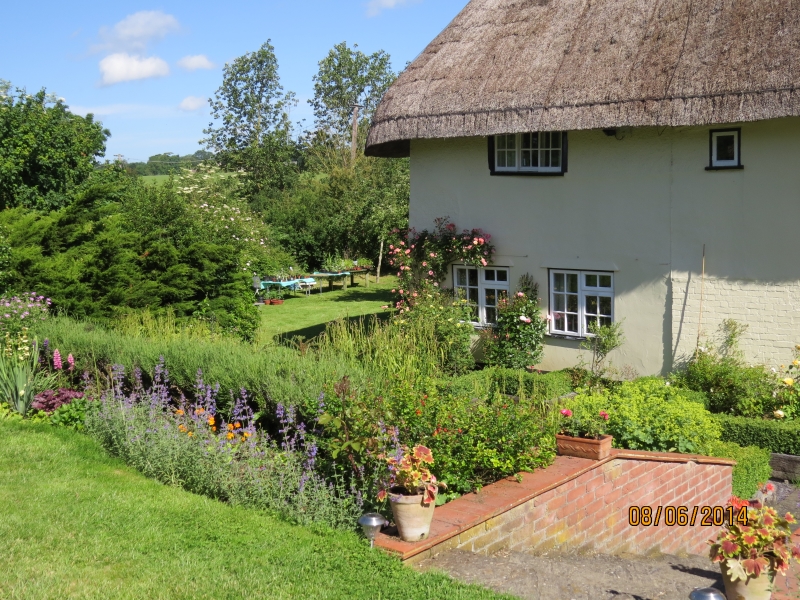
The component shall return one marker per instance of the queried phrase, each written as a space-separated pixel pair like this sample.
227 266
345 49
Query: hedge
752 466
782 437
491 380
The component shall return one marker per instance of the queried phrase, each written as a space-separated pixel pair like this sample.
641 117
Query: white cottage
604 144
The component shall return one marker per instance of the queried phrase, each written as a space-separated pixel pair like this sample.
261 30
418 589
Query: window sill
528 173
564 336
733 168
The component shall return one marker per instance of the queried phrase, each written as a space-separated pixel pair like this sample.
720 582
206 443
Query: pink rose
430 273
481 240
433 254
408 251
520 294
424 264
483 262
393 291
566 412
402 243
391 246
401 292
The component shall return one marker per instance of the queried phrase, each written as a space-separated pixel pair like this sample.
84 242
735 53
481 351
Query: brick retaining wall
583 504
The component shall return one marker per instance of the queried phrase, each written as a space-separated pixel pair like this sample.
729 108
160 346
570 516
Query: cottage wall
641 203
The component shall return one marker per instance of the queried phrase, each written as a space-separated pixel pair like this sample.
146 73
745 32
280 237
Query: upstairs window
535 153
725 149
578 298
483 289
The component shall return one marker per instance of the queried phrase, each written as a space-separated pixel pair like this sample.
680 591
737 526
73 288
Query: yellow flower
182 428
190 434
788 381
199 411
245 435
230 427
237 425
230 436
179 412
211 420
796 363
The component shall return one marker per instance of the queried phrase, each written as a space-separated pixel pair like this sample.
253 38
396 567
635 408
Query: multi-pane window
483 289
578 298
534 152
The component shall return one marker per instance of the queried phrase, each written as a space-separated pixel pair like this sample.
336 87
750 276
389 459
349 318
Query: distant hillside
164 164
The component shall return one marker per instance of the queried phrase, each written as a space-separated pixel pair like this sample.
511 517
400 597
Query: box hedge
752 466
782 437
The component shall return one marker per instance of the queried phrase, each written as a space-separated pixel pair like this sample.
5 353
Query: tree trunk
380 258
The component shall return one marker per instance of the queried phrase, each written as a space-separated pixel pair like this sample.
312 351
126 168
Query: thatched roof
504 66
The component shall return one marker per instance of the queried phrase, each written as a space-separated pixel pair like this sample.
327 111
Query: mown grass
78 524
305 316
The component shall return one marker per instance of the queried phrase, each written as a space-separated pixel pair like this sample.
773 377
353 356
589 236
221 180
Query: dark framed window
724 149
531 153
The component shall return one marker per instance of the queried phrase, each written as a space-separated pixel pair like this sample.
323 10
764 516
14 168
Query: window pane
555 139
501 142
545 140
559 302
502 275
558 282
475 313
591 305
572 303
473 277
559 322
589 320
501 159
462 276
502 295
591 280
511 158
545 158
605 281
726 147
526 158
473 295
490 297
572 323
491 315
555 160
489 275
572 283
526 140
605 321
605 306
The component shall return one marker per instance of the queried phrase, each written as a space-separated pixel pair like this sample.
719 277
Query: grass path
78 524
306 316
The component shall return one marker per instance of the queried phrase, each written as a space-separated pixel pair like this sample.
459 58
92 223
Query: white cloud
136 31
144 111
375 7
198 61
120 67
192 103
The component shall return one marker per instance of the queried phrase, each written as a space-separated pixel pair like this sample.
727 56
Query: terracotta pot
412 515
584 447
276 301
752 588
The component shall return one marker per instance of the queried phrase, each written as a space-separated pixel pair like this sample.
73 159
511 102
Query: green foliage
166 163
752 466
517 339
647 414
71 415
254 130
348 76
603 340
511 382
782 437
21 377
46 152
585 417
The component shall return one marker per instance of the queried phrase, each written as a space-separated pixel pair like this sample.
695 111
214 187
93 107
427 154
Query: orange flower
182 428
211 420
230 427
231 436
245 435
179 412
213 429
237 425
199 411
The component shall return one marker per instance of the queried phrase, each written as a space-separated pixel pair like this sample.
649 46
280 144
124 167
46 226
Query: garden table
333 276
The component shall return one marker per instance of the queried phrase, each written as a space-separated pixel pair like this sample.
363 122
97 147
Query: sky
146 70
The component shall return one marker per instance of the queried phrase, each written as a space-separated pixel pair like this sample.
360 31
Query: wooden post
354 140
380 258
702 291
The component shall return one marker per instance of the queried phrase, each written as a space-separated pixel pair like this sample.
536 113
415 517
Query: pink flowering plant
18 312
517 339
585 419
757 540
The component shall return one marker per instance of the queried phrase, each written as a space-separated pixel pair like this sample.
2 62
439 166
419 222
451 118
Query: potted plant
752 547
412 492
583 429
277 296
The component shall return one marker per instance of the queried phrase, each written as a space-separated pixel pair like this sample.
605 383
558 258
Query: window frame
583 291
482 285
527 171
713 162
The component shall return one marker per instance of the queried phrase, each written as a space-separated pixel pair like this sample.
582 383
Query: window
536 153
578 298
483 288
725 149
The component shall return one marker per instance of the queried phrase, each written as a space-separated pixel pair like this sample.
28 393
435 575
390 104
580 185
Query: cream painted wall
644 204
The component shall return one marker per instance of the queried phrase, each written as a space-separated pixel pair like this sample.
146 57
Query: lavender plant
193 446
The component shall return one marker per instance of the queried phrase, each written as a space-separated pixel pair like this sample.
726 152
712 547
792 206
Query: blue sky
145 69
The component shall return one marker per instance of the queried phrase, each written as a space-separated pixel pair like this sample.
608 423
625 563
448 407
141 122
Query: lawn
78 524
306 316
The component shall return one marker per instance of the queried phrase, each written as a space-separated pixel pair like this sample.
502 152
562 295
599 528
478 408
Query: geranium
757 540
584 420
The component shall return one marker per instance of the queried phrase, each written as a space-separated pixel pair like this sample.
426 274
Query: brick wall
589 511
769 310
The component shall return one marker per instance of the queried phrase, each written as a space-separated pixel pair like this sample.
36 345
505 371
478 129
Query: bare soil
570 576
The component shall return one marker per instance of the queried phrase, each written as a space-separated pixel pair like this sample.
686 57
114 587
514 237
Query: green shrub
752 466
517 339
731 386
72 414
782 437
512 382
647 414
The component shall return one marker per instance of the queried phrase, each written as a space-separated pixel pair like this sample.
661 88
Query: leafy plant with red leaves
761 545
409 471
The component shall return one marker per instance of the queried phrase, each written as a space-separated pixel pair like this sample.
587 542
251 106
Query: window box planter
584 447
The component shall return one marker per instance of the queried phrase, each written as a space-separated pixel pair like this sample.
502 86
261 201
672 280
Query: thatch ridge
516 65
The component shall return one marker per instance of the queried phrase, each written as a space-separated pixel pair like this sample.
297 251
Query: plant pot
412 515
752 588
276 301
267 301
584 447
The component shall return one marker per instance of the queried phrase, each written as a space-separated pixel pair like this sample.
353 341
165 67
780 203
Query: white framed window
531 153
578 298
483 289
725 149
